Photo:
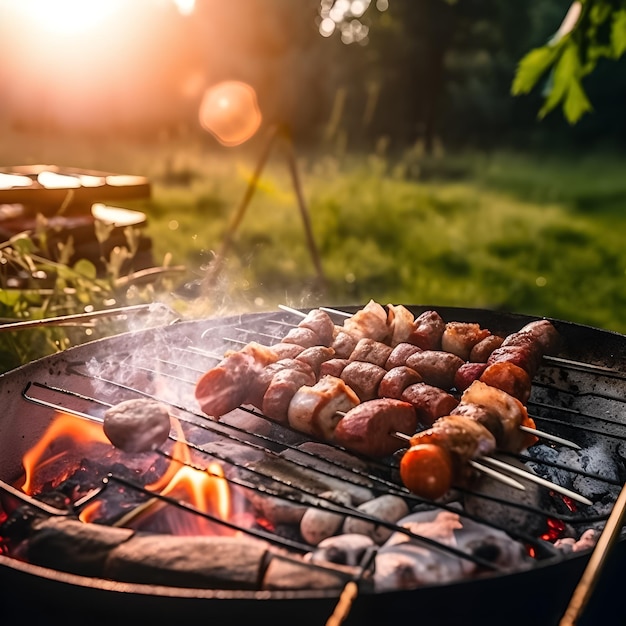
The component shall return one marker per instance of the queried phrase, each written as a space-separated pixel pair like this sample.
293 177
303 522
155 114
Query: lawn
537 234
515 232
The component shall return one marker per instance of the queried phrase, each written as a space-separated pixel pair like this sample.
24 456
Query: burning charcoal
318 524
73 546
202 562
346 549
586 541
387 508
137 425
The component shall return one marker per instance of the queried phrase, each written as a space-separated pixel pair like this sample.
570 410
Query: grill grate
580 400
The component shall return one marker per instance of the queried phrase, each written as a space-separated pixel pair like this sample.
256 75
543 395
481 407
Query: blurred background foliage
425 169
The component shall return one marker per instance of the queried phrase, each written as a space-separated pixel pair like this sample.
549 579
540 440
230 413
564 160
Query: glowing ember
230 112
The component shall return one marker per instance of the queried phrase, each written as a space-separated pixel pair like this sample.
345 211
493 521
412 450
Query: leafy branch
592 30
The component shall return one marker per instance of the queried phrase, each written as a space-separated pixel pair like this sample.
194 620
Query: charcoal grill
578 394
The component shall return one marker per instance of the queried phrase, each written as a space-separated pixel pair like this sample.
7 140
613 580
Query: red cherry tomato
426 470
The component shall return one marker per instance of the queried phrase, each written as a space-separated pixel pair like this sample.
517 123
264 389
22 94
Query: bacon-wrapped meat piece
370 321
511 412
369 427
460 337
401 324
316 409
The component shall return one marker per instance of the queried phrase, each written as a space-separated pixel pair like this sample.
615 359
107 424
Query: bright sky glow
69 16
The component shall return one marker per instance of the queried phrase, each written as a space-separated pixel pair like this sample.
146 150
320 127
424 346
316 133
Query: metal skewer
507 480
537 479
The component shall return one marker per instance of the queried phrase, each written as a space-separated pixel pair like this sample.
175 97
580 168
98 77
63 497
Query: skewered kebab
366 419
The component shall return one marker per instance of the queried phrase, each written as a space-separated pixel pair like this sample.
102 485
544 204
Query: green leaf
566 69
618 33
532 67
86 269
576 103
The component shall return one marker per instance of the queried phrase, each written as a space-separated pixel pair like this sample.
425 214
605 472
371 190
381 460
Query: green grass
538 234
505 231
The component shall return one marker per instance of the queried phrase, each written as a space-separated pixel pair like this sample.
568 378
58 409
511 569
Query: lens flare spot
541 281
230 112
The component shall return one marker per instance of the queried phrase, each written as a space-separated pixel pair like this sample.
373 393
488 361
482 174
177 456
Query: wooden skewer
592 572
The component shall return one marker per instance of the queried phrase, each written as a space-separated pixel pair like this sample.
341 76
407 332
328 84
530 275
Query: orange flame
207 490
60 442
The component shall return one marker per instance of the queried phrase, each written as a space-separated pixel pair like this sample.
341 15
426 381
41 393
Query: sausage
256 385
396 380
219 390
343 343
315 356
436 367
281 390
302 336
467 374
508 377
429 402
333 367
369 427
483 349
321 324
286 350
371 351
364 378
427 331
400 354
